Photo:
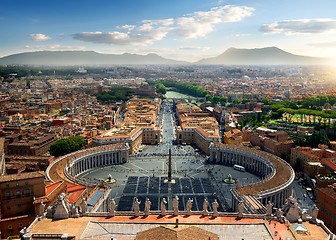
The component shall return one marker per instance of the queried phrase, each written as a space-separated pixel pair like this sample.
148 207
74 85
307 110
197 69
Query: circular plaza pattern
197 176
143 175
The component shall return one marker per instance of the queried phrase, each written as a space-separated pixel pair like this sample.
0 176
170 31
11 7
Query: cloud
143 37
194 48
241 35
323 44
300 26
199 24
39 37
163 22
194 25
127 27
55 47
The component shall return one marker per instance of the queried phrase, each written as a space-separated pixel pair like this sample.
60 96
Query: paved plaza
143 176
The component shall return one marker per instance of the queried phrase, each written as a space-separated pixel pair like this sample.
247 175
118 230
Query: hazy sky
178 29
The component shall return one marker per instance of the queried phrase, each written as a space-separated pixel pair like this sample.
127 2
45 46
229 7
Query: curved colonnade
83 160
275 185
277 175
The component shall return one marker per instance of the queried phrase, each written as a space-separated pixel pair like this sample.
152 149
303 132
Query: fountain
229 179
110 179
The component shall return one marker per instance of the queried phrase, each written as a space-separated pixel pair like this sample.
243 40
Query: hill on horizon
232 56
62 58
262 56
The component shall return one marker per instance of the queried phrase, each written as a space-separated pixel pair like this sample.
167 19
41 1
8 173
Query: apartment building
137 126
196 127
34 145
269 140
17 193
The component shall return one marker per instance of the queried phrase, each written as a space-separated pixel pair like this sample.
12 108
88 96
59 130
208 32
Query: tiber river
173 94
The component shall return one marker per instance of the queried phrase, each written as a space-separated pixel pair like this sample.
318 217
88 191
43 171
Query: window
19 205
20 225
8 207
10 227
7 185
27 191
8 194
18 192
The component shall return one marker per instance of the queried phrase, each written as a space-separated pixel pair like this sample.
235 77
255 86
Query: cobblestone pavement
186 163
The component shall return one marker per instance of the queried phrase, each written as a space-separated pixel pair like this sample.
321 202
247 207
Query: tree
327 106
235 101
297 165
208 97
67 145
222 101
245 101
318 137
160 88
266 101
216 99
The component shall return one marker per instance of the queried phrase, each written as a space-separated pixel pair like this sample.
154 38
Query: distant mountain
83 58
232 56
262 56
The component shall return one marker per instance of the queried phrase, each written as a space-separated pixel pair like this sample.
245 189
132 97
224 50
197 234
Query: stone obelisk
169 167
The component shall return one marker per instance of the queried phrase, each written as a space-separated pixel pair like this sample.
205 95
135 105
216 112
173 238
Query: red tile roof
52 187
75 191
329 163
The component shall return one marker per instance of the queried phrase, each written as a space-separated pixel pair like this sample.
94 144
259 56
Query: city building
195 126
234 136
269 140
326 201
2 157
37 145
311 161
17 193
138 125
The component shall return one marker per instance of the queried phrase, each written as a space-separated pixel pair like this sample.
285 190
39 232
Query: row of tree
289 109
160 88
67 145
115 94
186 88
313 140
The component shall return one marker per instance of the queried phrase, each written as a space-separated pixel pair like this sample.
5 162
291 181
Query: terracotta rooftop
52 187
2 141
329 163
75 191
178 233
282 175
21 176
246 228
330 191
